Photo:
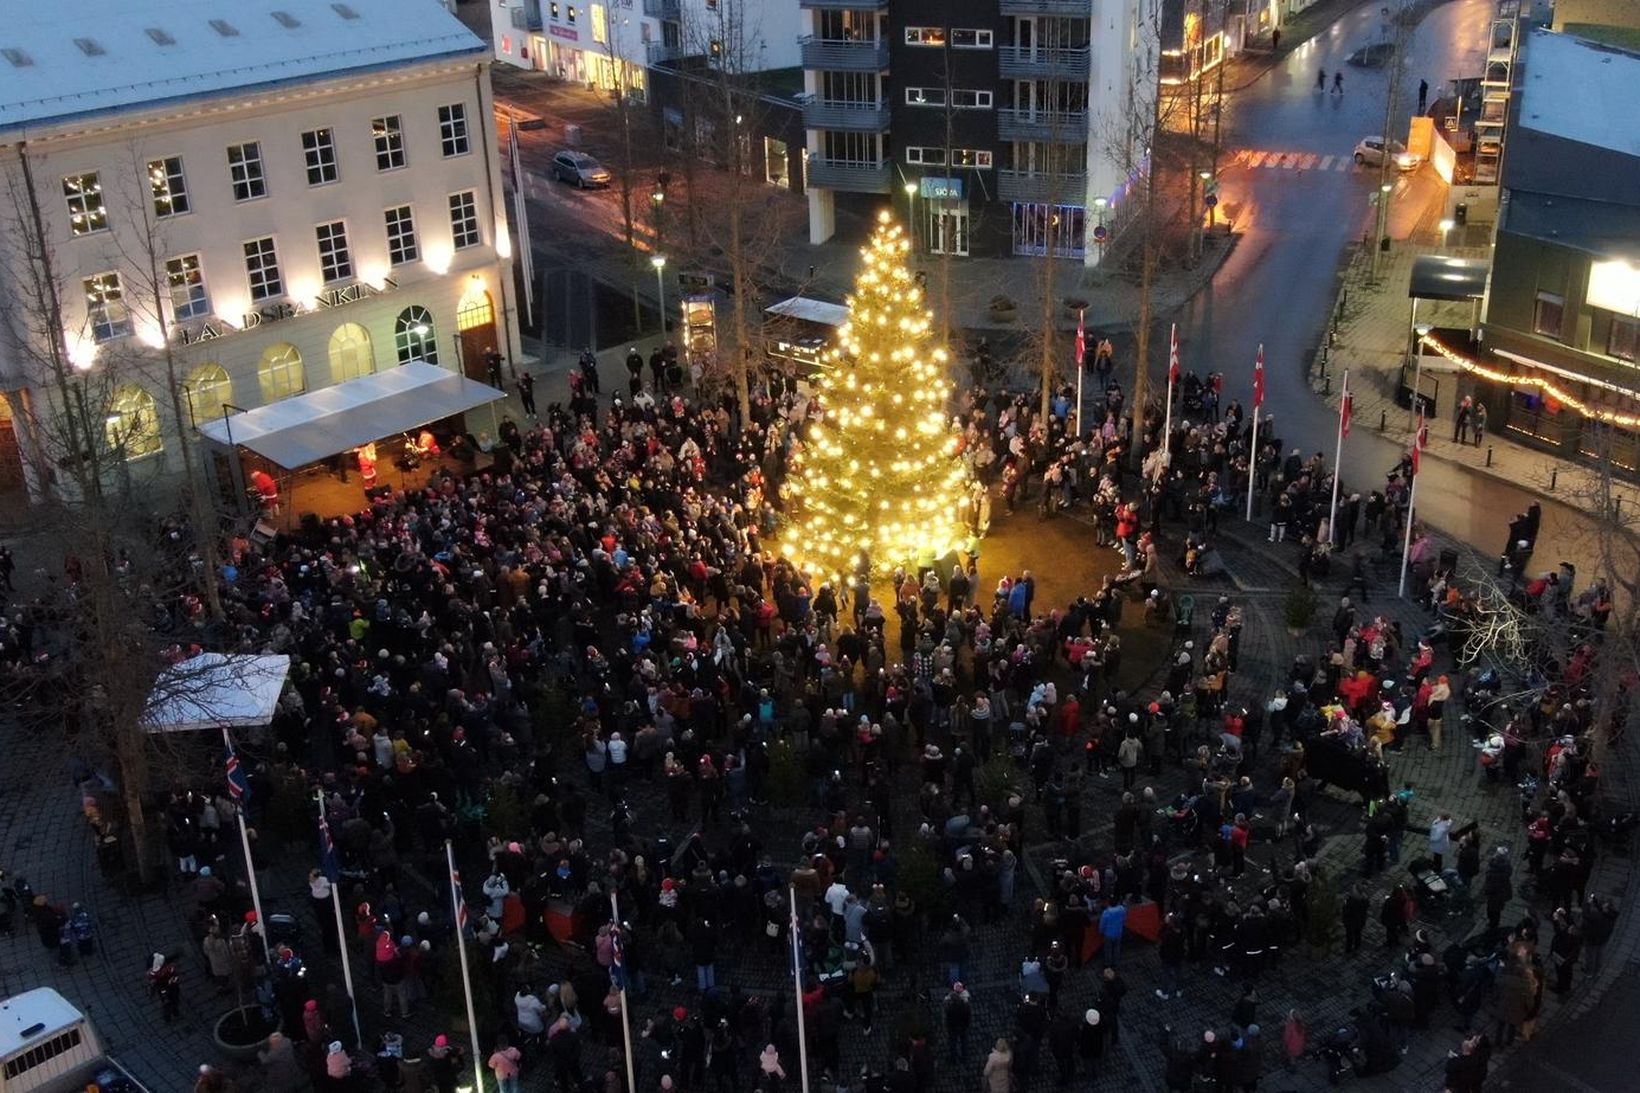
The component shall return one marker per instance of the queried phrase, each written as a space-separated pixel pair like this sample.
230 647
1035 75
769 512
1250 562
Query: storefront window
132 425
206 390
350 355
281 373
414 336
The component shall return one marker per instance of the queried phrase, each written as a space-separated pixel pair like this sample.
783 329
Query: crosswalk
1267 160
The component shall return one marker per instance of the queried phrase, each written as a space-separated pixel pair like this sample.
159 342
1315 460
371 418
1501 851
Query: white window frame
335 253
387 132
107 315
247 171
87 208
319 155
983 100
984 159
924 155
983 39
185 283
169 187
925 96
262 273
464 228
452 130
918 36
402 246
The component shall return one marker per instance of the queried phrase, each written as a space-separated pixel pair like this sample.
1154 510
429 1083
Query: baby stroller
1435 891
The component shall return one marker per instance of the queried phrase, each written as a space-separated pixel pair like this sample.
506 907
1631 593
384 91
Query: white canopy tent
217 691
307 428
810 310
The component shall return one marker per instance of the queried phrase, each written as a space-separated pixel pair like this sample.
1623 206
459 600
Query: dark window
1548 314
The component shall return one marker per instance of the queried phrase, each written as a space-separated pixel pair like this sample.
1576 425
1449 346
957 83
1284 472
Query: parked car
1372 55
579 170
1370 153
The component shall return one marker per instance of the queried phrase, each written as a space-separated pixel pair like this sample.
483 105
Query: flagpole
1338 462
1252 466
1081 365
250 866
797 983
341 934
1406 543
466 976
626 1017
1167 418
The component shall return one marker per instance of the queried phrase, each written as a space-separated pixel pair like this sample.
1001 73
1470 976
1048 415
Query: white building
319 181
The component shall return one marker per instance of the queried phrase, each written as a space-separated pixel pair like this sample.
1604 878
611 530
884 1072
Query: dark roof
1437 277
1603 228
1547 164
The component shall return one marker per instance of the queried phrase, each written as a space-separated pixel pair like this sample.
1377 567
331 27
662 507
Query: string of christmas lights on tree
878 473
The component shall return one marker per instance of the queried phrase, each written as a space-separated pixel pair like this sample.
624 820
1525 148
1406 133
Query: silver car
579 169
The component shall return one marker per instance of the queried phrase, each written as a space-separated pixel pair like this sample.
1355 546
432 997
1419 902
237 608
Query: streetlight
1446 227
1422 330
911 210
659 262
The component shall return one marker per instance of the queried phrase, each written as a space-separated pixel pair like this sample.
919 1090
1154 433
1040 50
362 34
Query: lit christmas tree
878 473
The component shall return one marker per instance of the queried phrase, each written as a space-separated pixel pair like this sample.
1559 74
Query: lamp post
911 210
659 262
657 202
1446 227
1421 330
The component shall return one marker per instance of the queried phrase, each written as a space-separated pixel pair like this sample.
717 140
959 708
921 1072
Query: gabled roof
67 59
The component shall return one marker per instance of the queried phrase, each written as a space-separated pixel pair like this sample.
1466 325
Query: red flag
1173 356
1081 338
1258 379
1420 440
1344 409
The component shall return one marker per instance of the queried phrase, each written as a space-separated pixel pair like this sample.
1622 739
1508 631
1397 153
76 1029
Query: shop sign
328 300
940 189
566 33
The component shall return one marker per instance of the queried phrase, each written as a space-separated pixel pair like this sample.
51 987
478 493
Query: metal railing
856 117
842 55
662 9
1025 62
1069 188
659 52
841 174
1063 127
843 5
1083 8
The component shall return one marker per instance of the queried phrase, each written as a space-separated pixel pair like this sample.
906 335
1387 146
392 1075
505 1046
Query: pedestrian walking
492 367
81 930
505 1062
1423 95
999 1066
1497 885
526 393
588 365
1338 82
1321 80
1354 916
165 984
1480 423
1461 419
1440 840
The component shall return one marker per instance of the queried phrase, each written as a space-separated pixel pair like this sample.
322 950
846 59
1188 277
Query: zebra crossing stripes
1272 160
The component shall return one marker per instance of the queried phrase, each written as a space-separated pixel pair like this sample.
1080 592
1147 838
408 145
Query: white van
48 1046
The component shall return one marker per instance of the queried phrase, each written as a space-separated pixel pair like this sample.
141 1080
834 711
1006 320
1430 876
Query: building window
105 310
972 39
280 373
452 129
206 391
571 16
776 163
245 168
401 236
389 137
262 269
971 157
464 220
1548 314
335 258
319 150
414 337
963 99
131 427
87 212
925 36
350 355
1620 342
925 96
186 283
600 25
169 187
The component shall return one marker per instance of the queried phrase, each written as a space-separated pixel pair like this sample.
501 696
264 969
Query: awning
301 430
811 311
216 690
1437 277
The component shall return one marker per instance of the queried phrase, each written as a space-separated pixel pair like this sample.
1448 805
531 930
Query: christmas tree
878 472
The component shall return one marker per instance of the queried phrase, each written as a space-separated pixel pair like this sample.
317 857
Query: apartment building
997 126
288 194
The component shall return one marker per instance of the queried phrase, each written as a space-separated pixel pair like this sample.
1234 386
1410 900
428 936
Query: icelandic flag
1258 379
617 957
327 851
239 785
1081 338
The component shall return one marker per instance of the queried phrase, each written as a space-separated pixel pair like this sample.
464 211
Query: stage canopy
301 430
810 311
216 690
1438 277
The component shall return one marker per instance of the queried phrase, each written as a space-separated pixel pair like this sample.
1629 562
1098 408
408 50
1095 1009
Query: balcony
843 5
853 117
1024 63
1061 189
1073 8
840 55
660 53
845 174
662 9
1070 127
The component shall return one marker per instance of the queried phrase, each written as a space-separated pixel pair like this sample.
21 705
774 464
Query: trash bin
1460 214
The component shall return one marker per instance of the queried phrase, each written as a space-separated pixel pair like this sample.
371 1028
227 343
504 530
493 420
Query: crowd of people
588 667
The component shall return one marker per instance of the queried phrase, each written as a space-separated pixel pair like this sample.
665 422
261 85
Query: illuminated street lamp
659 262
1446 227
911 210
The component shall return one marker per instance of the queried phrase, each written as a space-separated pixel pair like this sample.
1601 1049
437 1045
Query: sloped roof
64 59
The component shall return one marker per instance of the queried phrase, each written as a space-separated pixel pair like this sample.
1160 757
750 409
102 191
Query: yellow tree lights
878 472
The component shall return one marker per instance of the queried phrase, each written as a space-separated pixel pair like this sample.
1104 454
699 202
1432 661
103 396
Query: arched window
131 426
350 355
281 372
475 310
205 391
414 336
